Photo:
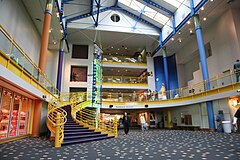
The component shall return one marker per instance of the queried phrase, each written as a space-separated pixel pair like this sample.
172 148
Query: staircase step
74 127
77 130
86 140
83 136
79 133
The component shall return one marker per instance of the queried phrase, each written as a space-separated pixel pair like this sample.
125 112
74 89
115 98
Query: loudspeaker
146 106
110 106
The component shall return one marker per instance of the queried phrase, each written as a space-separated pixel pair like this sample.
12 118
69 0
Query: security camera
238 91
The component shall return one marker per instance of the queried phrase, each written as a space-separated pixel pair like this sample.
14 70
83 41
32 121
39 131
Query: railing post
116 127
57 133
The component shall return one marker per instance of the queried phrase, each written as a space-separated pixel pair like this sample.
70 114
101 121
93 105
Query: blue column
60 65
165 66
205 74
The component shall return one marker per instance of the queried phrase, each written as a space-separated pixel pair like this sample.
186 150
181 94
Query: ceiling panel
107 71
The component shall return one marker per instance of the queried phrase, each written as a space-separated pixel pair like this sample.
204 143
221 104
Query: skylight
175 3
145 10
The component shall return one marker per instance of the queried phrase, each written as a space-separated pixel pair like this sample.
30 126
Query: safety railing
202 88
90 118
123 79
13 53
56 119
121 59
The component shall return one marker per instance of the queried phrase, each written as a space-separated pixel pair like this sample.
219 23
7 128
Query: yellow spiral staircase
89 118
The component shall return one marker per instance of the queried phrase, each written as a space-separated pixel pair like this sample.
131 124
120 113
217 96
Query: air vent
115 18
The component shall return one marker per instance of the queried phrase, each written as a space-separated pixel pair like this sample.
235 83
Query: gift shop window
5 107
15 114
17 102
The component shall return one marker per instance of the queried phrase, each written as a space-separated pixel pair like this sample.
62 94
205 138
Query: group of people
150 95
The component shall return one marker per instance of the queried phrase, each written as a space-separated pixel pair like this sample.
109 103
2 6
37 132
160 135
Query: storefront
15 114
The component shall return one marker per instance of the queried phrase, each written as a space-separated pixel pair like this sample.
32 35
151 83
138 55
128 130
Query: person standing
143 122
126 123
236 68
219 119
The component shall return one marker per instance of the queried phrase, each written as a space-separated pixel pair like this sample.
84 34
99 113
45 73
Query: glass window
147 11
5 111
175 3
15 115
23 117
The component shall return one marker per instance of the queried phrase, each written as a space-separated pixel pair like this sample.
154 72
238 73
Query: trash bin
227 126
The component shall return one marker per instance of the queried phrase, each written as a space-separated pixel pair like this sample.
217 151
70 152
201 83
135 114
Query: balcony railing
119 59
215 85
123 79
11 51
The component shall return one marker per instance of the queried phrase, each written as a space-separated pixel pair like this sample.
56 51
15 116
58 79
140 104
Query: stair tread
79 133
86 140
80 130
85 136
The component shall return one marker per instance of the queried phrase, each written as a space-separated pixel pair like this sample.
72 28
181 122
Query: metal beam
98 8
91 11
88 14
137 17
177 28
159 7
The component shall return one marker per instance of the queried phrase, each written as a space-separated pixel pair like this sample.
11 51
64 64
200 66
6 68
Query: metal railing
90 118
122 59
123 79
214 84
11 50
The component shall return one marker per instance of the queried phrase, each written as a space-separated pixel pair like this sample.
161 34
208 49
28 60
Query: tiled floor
152 144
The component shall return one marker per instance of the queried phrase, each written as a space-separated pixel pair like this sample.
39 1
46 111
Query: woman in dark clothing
126 122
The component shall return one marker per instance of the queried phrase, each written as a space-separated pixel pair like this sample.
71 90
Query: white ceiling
134 42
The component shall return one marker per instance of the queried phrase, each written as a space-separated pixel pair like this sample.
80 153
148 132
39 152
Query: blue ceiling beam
91 11
177 28
88 14
137 17
159 7
98 8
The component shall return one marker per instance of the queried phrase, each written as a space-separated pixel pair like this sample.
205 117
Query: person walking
126 123
236 68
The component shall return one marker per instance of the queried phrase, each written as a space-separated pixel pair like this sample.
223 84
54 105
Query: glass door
16 108
23 117
6 99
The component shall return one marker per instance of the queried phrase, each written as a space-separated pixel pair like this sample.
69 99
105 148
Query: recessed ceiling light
116 52
172 39
179 40
61 31
118 49
112 47
204 18
50 30
190 31
202 8
54 42
188 22
125 47
57 14
179 32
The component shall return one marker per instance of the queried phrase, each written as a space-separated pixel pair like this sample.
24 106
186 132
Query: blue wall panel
159 72
172 72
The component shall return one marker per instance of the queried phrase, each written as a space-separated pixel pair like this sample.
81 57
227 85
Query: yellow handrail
21 59
92 119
